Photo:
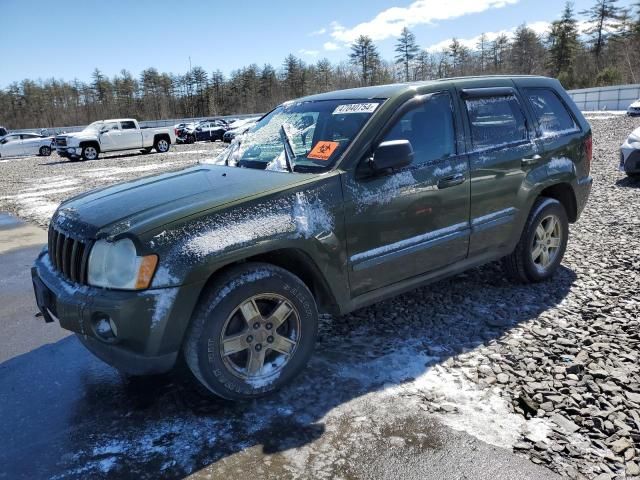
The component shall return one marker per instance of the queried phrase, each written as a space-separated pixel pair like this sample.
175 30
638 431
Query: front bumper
150 324
68 152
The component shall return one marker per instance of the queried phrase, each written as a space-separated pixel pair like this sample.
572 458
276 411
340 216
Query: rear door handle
451 181
526 162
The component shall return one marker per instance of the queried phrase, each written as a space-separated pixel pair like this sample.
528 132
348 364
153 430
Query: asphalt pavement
65 414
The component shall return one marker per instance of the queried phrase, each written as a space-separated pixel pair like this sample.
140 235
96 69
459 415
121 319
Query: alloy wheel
546 242
260 337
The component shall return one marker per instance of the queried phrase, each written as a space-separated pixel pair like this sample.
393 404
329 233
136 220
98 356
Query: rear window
496 121
553 116
128 125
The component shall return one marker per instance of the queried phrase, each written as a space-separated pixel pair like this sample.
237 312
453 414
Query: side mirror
392 154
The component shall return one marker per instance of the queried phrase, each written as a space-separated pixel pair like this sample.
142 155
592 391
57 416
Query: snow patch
311 218
165 299
385 193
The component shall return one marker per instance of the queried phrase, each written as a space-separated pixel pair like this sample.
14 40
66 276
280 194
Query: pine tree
364 55
527 51
604 17
563 43
406 50
482 48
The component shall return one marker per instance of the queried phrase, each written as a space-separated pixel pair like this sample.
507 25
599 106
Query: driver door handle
451 181
526 162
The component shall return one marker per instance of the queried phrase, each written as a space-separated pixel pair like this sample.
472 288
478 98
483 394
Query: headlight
117 265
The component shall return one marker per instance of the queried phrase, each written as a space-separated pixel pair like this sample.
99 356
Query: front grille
68 255
61 142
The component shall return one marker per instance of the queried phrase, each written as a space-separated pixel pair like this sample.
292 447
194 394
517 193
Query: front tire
90 152
253 331
542 243
44 151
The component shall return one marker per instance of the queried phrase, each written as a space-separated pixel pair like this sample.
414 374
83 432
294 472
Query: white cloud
331 46
390 22
308 53
316 33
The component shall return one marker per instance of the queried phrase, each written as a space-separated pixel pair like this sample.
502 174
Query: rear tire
245 322
542 244
161 145
45 151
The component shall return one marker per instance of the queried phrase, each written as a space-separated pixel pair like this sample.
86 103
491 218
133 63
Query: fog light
105 328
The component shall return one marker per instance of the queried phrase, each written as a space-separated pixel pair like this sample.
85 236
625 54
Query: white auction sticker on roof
355 108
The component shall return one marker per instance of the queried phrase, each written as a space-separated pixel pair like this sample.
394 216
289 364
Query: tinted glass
429 128
496 121
551 113
128 125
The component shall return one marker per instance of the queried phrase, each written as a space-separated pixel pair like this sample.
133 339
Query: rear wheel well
298 263
563 193
161 136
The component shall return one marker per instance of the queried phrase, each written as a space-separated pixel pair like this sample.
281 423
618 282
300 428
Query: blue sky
68 38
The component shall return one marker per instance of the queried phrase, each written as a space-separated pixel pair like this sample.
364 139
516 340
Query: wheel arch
87 143
295 261
563 192
161 136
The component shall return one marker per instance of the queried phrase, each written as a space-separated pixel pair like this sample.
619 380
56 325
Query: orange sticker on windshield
323 150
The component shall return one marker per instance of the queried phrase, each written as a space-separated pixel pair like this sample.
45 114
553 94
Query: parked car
634 109
239 127
24 144
112 136
630 154
390 188
209 131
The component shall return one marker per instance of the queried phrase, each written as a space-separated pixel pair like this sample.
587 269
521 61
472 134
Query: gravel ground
549 370
32 187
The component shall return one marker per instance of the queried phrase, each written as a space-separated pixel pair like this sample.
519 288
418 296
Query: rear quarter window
496 121
551 113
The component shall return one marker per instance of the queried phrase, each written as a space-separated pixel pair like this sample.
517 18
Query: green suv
330 203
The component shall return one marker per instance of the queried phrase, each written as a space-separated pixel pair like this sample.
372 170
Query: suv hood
152 202
79 135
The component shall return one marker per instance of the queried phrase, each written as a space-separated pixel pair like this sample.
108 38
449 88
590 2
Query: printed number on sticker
323 150
355 108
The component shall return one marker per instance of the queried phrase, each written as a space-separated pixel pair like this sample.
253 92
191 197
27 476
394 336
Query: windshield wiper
289 155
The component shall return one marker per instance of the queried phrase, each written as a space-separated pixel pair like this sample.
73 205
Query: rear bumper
149 324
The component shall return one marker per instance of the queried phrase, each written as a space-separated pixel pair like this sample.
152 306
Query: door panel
111 139
502 154
416 220
12 148
130 136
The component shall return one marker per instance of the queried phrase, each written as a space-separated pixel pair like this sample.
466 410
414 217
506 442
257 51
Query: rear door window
496 121
552 115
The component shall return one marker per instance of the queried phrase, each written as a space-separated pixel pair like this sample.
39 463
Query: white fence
605 98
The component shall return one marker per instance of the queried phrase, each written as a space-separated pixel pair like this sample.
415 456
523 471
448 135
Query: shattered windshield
95 126
303 136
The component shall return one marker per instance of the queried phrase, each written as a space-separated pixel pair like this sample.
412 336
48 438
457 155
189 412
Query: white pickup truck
113 135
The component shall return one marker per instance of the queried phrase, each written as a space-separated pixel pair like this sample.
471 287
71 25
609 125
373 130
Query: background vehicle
209 130
238 128
634 109
22 144
3 131
630 154
113 135
229 264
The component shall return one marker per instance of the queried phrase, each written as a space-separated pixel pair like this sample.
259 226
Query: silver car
630 154
25 144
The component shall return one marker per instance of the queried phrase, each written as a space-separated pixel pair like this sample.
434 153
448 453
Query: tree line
606 52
